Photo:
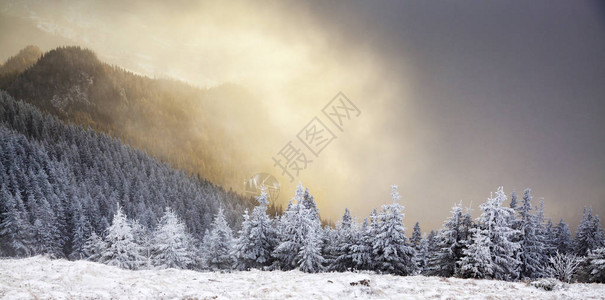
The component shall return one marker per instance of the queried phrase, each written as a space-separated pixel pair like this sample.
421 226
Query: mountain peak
15 65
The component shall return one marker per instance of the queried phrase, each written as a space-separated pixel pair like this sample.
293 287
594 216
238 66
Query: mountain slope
17 64
59 183
202 131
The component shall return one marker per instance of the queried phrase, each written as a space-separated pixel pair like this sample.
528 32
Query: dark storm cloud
513 93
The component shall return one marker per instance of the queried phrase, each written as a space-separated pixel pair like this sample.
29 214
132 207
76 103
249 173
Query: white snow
43 278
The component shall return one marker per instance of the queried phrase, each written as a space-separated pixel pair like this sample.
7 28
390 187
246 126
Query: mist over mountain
17 64
201 131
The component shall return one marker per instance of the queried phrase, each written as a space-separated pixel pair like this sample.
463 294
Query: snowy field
42 278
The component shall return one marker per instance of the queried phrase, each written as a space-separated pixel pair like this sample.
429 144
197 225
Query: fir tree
492 238
309 258
171 244
15 230
218 245
80 232
300 235
596 265
94 247
532 246
391 250
563 238
450 242
477 260
257 239
588 235
362 248
346 236
120 248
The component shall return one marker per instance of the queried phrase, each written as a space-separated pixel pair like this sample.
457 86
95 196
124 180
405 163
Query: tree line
506 243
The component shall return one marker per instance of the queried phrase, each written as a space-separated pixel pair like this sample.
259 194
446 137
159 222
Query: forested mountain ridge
17 64
154 115
59 183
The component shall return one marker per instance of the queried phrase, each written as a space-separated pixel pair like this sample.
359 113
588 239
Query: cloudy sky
456 97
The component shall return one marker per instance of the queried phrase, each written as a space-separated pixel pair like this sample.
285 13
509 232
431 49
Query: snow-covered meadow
43 278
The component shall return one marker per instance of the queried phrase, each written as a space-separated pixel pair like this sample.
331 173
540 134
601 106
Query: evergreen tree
94 247
391 250
80 232
218 246
588 235
362 248
477 260
309 258
549 237
492 238
242 245
563 238
300 235
171 247
450 242
596 265
346 237
120 248
416 236
422 255
532 246
47 238
257 239
15 229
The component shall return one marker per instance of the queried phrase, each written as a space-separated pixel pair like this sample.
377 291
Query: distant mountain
18 64
201 131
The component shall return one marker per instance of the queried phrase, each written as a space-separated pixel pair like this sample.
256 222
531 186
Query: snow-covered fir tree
300 236
415 241
563 238
309 257
532 249
589 234
218 245
47 239
477 259
257 238
391 249
346 237
93 247
16 233
493 238
450 242
120 248
362 248
143 238
171 244
309 203
596 265
416 236
514 205
291 233
80 232
549 238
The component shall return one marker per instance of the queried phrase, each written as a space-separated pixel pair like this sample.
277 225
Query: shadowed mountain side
201 131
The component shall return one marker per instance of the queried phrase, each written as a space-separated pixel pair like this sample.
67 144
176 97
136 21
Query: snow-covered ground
42 278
